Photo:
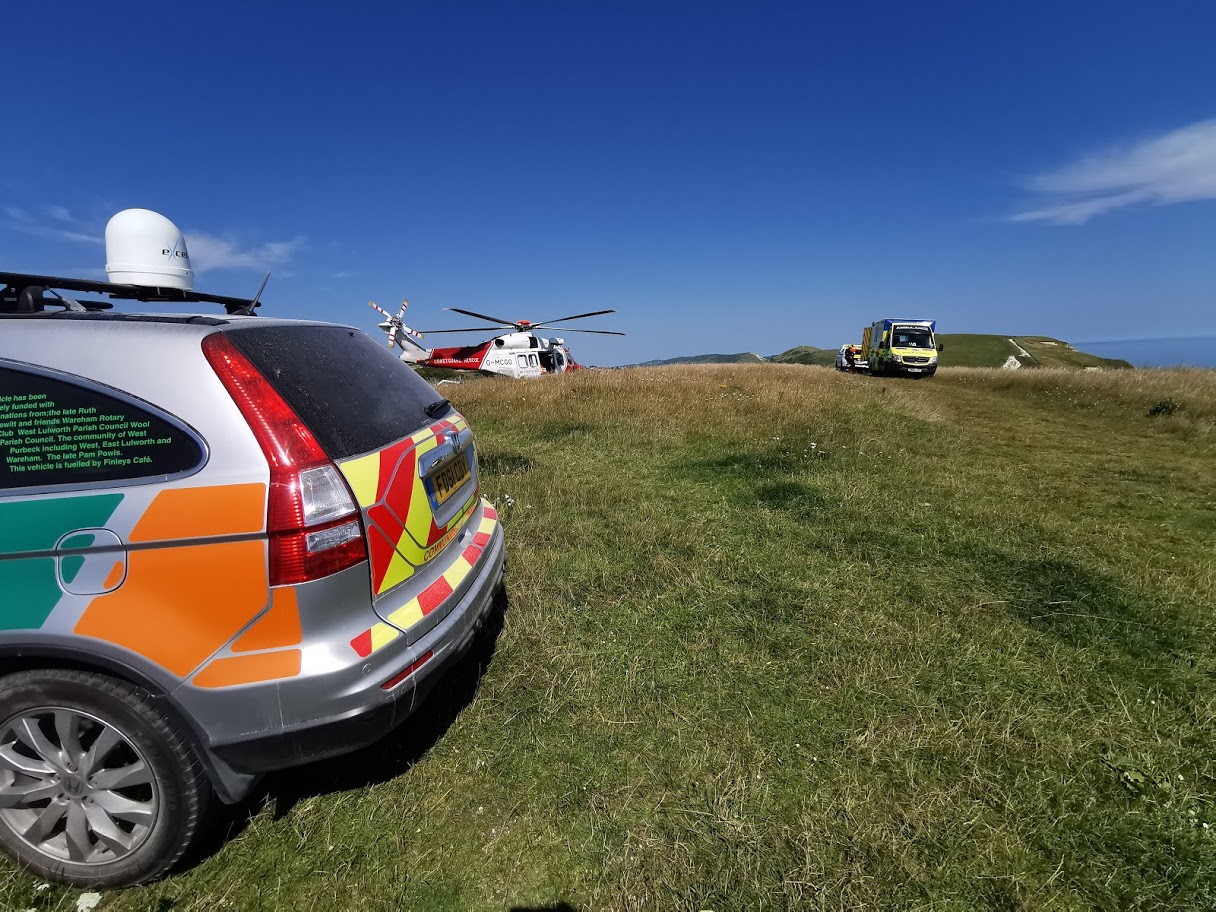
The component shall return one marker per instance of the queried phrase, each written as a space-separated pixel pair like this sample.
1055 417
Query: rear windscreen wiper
437 407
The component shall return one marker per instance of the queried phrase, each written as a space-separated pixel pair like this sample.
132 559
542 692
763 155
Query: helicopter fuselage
520 355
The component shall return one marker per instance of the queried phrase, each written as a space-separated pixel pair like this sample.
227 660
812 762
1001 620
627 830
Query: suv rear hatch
405 453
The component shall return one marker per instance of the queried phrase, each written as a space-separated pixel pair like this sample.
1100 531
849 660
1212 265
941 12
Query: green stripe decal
29 587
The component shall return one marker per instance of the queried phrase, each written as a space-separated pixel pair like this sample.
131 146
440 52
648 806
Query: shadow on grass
1075 604
794 497
560 430
740 465
386 759
768 479
1083 607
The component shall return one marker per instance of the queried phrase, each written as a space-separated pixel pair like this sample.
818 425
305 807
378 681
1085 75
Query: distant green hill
807 354
740 358
983 350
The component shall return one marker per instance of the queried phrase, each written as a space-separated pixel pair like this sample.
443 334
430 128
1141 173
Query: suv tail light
312 520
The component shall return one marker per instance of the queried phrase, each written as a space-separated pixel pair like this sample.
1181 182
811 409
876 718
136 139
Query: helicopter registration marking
447 480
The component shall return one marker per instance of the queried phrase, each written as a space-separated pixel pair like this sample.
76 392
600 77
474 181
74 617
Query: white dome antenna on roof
145 248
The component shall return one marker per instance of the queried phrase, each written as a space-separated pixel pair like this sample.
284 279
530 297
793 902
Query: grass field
782 638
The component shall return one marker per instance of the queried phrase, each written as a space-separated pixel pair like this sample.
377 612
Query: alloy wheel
73 787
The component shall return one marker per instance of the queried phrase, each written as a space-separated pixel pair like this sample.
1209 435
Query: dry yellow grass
1193 389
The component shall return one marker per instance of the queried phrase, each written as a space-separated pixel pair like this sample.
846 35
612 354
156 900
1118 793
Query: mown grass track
783 638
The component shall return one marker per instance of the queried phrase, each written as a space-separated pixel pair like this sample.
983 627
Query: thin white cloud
21 220
1177 167
208 252
60 214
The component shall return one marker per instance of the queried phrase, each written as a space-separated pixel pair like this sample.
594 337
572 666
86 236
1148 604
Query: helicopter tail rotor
393 324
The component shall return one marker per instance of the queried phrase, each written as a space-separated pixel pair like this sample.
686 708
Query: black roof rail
23 294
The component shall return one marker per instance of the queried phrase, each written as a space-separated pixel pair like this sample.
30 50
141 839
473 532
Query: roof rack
24 294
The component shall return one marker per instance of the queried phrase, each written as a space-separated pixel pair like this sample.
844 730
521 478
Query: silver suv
228 545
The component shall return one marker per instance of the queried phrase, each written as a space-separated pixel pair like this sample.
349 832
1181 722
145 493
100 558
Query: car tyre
97 786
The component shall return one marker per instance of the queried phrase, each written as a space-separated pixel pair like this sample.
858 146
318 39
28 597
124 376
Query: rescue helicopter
519 352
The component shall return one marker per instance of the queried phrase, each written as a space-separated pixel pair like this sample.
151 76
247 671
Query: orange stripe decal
202 512
179 605
116 574
249 669
279 626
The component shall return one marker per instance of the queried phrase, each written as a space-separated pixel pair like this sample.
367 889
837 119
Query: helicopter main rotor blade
472 329
570 329
594 313
470 313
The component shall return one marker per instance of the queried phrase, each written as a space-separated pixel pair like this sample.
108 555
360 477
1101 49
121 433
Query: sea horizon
1193 351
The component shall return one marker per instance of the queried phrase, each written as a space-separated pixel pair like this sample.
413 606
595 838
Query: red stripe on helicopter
468 357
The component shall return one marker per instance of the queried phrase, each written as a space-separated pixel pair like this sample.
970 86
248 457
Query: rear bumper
330 736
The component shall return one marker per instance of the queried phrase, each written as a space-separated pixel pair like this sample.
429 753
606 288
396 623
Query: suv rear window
353 393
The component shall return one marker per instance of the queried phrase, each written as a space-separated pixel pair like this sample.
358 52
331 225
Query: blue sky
728 176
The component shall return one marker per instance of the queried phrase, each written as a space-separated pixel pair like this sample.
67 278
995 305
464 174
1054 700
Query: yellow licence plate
449 477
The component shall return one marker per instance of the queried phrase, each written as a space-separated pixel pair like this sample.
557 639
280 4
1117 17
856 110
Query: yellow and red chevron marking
433 595
402 533
364 472
374 638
